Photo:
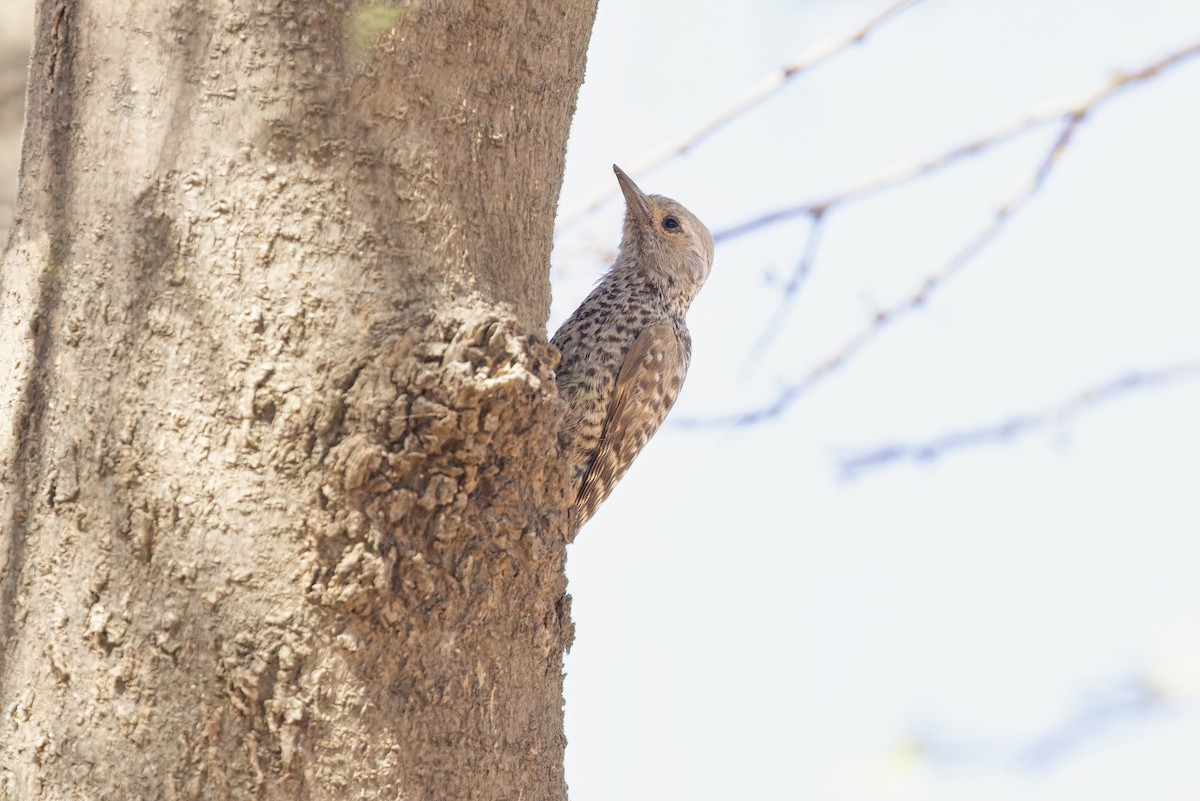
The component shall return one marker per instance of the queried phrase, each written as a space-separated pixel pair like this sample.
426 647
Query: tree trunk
282 507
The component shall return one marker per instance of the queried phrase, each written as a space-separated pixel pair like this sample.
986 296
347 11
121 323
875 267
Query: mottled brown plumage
625 350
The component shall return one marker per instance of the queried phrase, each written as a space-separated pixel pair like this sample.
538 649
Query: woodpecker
625 350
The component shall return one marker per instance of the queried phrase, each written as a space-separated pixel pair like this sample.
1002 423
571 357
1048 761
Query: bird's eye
670 223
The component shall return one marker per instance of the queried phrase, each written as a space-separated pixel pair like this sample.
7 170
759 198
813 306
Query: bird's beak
635 199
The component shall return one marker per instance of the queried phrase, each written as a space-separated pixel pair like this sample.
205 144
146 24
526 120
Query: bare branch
791 290
1128 700
756 94
1060 111
1068 114
1019 425
885 317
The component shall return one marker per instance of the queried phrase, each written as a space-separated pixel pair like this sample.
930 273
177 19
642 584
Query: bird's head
665 238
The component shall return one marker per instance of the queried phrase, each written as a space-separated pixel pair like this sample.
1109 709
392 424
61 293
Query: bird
626 349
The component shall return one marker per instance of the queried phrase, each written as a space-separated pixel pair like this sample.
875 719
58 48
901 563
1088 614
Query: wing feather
647 386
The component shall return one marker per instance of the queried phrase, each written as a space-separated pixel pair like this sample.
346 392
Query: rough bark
281 508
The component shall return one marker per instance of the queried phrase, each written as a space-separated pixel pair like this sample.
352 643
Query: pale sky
749 625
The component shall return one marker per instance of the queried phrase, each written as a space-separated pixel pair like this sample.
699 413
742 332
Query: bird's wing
647 386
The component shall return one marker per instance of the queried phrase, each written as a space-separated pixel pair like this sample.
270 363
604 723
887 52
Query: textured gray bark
281 503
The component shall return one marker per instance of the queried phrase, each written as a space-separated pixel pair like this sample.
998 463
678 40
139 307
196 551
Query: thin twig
1129 700
791 290
1058 111
885 317
753 96
1069 114
1019 425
